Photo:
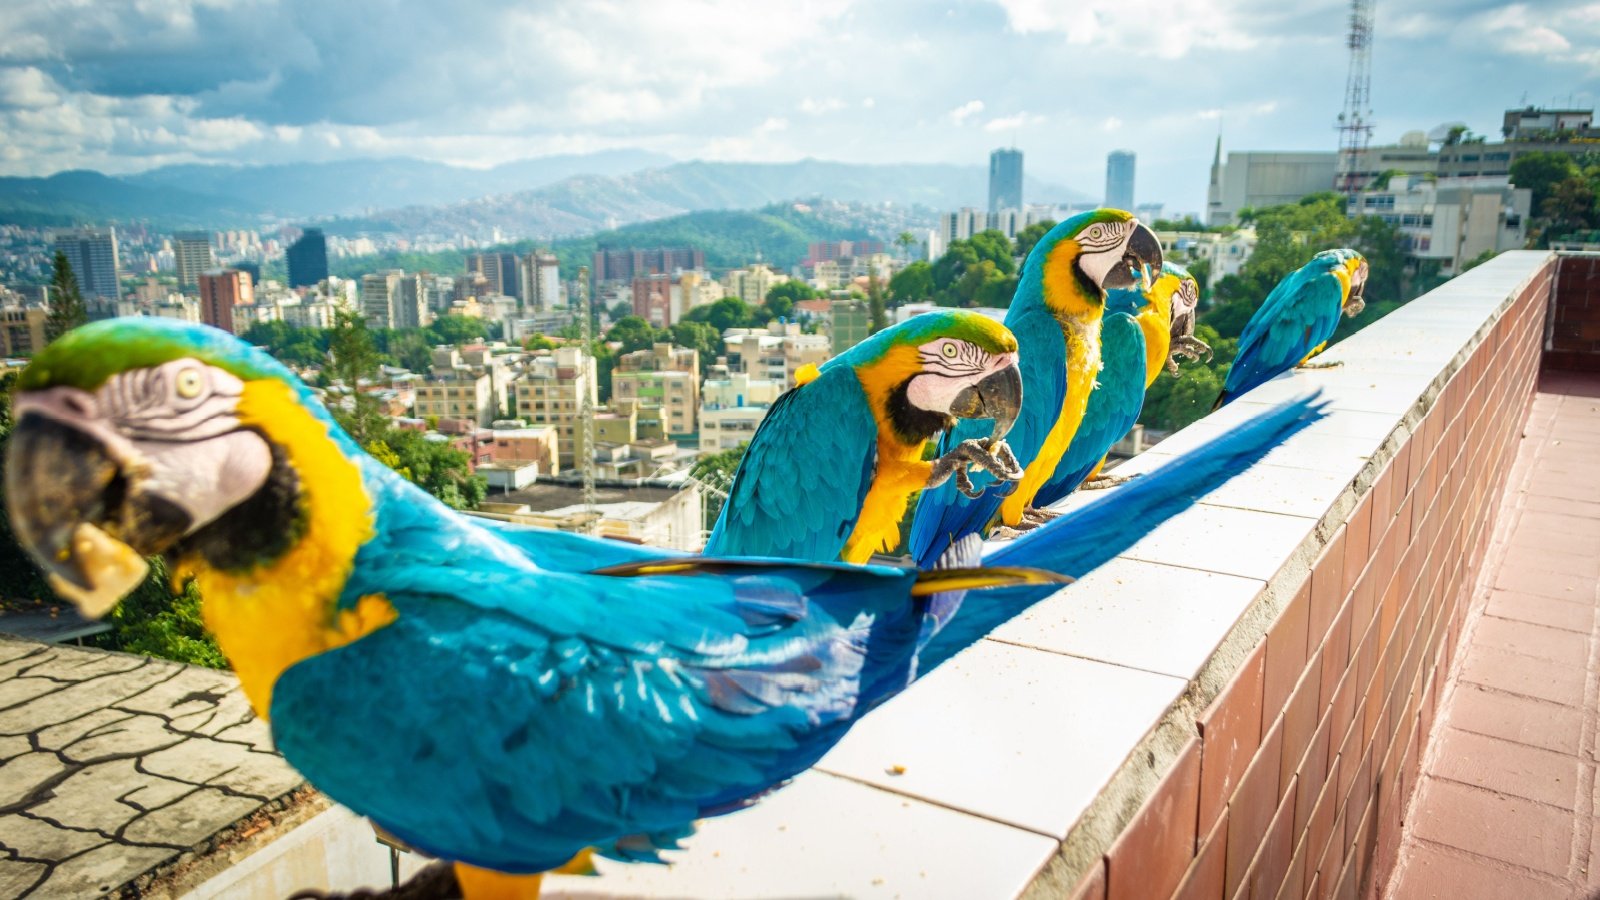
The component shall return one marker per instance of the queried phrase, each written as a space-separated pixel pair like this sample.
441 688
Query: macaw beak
1142 256
1355 303
81 514
998 396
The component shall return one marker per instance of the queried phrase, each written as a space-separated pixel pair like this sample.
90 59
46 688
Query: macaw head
1078 260
144 436
1183 292
1354 277
932 369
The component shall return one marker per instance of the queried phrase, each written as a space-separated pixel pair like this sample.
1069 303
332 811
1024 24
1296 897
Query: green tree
1030 235
782 297
1570 207
877 308
700 337
538 342
729 312
995 247
456 330
620 310
66 302
352 356
913 283
716 470
1540 173
436 467
633 333
905 240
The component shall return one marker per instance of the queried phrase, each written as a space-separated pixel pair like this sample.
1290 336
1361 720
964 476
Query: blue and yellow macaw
1297 319
1055 315
829 472
1141 332
461 682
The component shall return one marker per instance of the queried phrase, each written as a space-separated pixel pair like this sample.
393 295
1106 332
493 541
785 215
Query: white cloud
1112 123
813 107
1011 123
1157 28
966 111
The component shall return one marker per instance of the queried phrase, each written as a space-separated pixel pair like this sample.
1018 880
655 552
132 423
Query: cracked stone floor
113 767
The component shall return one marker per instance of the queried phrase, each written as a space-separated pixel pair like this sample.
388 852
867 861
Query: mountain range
543 197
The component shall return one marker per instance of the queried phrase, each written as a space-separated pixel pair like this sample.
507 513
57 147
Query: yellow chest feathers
278 612
900 469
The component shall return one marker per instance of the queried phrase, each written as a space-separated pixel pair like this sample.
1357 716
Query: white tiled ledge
1010 768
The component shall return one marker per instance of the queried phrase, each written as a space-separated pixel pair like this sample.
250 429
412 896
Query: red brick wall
1299 776
1575 315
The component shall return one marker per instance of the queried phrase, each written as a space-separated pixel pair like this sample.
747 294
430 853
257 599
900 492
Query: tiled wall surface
1574 329
1297 780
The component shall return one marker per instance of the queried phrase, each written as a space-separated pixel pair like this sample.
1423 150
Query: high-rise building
1119 179
551 391
411 302
22 330
308 259
92 255
499 269
220 291
541 282
849 323
192 250
1005 179
379 296
662 382
626 265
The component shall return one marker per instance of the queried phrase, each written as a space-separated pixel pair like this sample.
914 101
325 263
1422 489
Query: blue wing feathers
800 486
1300 313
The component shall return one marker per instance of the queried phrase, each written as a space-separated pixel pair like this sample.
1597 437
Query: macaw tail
933 581
1093 534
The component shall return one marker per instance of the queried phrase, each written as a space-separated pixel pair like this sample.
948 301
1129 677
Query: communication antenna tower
1355 123
586 402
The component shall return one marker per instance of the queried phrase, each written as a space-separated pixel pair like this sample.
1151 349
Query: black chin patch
912 423
257 531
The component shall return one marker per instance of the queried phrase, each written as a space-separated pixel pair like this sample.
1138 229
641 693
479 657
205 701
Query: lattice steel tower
586 463
1355 123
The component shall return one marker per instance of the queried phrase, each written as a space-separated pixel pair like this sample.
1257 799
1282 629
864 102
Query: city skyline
126 89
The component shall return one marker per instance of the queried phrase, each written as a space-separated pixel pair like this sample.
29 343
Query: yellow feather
1083 364
270 617
900 470
1155 320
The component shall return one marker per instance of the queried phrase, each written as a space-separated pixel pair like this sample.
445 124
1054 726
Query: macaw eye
189 384
1095 233
949 351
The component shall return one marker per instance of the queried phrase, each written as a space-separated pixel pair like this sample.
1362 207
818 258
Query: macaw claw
1308 366
992 455
1101 482
1189 347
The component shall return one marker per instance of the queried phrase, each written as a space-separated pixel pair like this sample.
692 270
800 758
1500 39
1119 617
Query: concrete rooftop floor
1507 800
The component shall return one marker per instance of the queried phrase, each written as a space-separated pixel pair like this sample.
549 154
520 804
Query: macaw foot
1101 482
1006 533
1354 306
996 458
1310 366
1034 516
1188 347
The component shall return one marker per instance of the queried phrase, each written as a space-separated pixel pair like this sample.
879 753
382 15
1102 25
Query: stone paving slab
1506 805
117 770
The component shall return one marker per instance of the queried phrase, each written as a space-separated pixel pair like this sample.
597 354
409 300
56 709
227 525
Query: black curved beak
1143 254
1356 302
998 396
80 515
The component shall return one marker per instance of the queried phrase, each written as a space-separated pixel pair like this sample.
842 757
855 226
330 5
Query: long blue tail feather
1094 534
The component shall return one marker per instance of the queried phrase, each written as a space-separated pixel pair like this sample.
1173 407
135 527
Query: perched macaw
1140 334
828 474
1297 319
455 679
1055 315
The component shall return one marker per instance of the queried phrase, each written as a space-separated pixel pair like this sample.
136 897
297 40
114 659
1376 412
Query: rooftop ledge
1237 701
1143 702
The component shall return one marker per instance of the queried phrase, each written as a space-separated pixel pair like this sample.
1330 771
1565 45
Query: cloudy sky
126 85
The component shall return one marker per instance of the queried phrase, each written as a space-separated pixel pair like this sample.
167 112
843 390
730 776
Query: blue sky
125 86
